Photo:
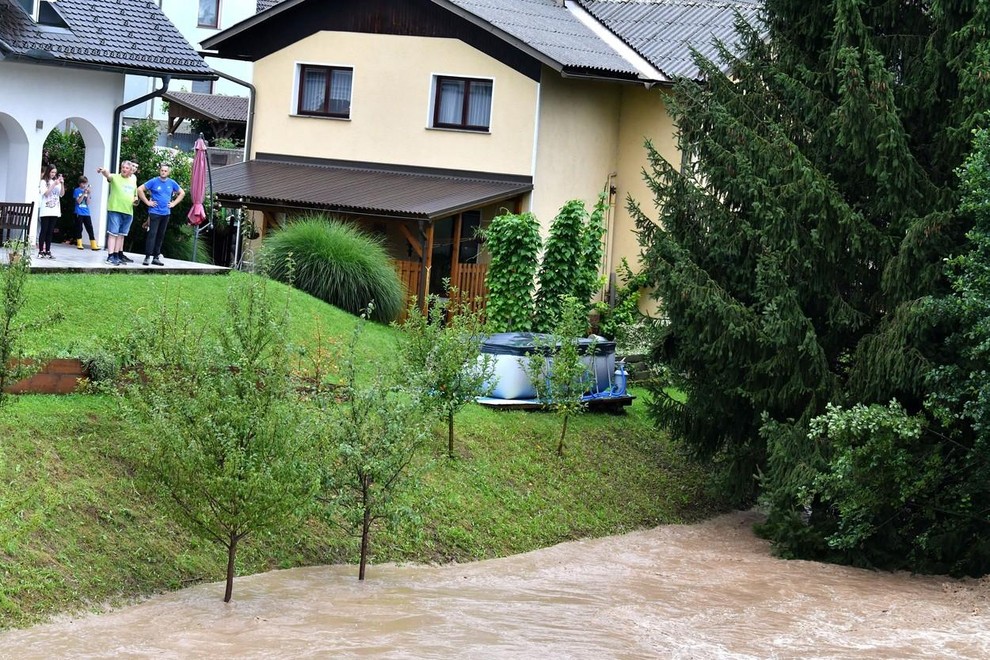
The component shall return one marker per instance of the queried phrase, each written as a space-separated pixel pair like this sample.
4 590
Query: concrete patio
69 259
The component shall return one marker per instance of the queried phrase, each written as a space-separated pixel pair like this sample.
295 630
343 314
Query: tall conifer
811 212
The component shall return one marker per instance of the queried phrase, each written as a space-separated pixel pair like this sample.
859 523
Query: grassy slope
74 531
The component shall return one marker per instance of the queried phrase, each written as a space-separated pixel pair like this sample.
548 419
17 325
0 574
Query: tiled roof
548 27
664 31
370 189
216 107
266 4
128 35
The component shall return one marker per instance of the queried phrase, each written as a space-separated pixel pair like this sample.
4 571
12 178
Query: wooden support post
416 246
455 252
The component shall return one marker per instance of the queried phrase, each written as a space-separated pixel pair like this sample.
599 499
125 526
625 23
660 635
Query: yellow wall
390 105
577 145
591 135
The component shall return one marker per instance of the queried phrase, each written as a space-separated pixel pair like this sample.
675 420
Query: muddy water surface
701 591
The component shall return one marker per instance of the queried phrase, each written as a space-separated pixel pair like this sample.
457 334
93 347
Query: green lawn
75 531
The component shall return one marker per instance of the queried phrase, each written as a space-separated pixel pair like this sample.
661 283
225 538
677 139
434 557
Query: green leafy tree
809 216
226 436
513 241
442 349
571 260
373 430
557 367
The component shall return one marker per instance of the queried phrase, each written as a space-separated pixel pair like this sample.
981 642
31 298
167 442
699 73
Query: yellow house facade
422 120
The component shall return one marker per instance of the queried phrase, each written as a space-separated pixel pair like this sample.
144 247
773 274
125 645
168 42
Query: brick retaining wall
56 377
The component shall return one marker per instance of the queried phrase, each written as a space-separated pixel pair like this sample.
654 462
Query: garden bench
15 218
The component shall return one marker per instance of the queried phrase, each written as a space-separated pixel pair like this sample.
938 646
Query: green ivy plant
513 241
570 261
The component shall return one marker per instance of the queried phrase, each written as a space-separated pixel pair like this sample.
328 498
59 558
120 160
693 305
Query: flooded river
697 591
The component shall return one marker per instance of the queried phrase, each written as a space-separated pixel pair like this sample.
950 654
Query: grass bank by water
76 533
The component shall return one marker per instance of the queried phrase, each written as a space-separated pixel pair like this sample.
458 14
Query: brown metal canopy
362 188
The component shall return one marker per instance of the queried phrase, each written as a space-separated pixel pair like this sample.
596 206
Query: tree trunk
563 432
450 435
231 554
365 540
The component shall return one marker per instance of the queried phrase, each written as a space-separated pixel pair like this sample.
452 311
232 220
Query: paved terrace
69 259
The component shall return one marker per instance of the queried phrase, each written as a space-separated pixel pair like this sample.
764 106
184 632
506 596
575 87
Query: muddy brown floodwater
710 590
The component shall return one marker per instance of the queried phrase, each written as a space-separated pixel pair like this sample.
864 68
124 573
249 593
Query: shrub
513 240
336 263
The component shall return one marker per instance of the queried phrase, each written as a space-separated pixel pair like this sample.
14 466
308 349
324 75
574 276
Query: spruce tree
809 216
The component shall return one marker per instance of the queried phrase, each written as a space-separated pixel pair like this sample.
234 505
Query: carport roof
362 188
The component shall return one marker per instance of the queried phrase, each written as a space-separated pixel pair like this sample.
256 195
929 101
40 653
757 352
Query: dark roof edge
248 23
14 56
399 169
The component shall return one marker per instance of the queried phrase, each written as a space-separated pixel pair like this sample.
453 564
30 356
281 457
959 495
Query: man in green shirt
120 209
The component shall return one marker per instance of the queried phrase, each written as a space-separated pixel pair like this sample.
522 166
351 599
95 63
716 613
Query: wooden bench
15 219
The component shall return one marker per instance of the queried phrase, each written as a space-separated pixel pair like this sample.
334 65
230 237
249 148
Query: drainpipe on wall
252 94
119 111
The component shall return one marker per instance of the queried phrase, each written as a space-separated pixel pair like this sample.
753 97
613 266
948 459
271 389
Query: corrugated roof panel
664 31
360 190
551 29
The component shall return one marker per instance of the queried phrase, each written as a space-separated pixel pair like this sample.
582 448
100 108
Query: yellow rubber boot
79 244
94 246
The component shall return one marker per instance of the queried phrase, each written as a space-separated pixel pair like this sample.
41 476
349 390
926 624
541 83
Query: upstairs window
324 91
464 103
209 13
202 86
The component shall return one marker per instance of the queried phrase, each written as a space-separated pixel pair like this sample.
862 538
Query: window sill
470 131
293 114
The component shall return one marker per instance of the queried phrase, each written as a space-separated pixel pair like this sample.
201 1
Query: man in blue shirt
165 193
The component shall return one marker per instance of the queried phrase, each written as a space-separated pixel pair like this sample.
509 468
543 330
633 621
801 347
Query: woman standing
51 188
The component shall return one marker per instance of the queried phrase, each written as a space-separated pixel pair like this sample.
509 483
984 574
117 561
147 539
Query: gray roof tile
131 35
551 29
664 31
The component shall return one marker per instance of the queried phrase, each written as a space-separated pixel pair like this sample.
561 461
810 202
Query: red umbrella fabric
197 185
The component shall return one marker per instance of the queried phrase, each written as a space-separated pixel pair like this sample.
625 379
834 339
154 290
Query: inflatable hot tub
510 353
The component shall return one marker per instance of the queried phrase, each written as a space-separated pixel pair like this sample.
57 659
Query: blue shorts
118 224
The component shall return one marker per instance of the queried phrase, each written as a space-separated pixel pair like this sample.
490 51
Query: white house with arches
63 65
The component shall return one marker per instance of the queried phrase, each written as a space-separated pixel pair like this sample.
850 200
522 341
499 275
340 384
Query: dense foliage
337 263
796 243
513 241
571 259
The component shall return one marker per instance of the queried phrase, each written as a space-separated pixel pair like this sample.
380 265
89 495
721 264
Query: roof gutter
252 97
119 111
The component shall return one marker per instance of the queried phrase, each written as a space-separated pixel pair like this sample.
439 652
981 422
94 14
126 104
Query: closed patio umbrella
197 189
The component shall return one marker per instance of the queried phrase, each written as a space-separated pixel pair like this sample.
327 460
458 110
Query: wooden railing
469 281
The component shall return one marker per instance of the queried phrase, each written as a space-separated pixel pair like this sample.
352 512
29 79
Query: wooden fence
469 281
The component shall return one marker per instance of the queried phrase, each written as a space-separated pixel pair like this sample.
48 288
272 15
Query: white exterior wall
28 115
184 14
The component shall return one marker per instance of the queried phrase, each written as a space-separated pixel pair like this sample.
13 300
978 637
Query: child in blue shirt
83 217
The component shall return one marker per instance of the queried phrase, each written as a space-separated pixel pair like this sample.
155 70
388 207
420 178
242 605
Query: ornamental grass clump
336 263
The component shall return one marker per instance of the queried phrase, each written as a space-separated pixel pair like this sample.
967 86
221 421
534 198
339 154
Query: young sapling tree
442 352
